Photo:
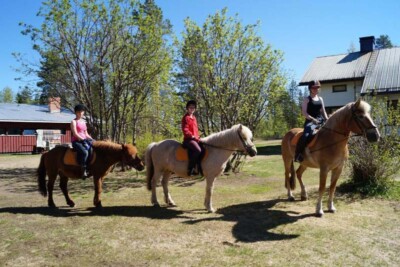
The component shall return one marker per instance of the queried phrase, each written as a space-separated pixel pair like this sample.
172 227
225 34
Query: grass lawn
254 224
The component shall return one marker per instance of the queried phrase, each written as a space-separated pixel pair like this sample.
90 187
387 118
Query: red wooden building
32 128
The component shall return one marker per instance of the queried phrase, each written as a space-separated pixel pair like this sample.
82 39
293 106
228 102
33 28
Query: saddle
310 142
182 153
70 157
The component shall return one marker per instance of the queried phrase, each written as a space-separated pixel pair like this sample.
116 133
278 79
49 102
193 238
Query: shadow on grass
126 211
24 180
255 220
269 150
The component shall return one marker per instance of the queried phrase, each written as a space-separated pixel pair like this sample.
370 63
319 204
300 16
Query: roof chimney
54 104
367 43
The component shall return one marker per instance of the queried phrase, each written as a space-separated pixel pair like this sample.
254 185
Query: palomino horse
161 160
329 152
105 155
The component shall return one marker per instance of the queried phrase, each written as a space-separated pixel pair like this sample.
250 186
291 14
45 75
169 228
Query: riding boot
192 167
301 144
85 173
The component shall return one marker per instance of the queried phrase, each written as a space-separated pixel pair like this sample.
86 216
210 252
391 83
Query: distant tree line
120 59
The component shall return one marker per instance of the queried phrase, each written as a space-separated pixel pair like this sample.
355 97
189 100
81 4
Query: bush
374 165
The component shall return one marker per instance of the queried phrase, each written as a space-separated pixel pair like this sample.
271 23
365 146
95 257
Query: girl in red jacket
191 138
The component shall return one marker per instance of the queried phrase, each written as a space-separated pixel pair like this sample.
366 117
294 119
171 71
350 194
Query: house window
339 88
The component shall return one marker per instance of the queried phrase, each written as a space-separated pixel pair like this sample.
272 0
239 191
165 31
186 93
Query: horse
161 161
329 151
105 155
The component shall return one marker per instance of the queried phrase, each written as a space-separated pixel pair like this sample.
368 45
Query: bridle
247 147
360 124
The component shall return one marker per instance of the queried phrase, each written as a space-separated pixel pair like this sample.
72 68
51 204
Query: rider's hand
315 121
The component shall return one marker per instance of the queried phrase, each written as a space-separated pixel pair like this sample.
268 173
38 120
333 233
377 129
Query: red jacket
189 128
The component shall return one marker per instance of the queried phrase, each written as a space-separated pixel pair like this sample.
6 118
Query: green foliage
229 70
24 96
373 166
383 41
6 95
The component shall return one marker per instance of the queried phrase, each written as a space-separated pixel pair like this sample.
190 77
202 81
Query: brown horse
105 155
329 151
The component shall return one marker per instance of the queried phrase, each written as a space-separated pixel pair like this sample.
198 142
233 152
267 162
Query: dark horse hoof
98 205
71 204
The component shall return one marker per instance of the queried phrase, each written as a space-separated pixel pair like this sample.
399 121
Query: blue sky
302 29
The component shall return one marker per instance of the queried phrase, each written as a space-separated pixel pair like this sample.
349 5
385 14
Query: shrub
373 166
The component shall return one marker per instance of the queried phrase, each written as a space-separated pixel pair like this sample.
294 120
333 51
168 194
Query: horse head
130 157
363 123
246 136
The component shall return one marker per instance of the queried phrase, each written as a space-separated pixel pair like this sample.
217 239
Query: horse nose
373 135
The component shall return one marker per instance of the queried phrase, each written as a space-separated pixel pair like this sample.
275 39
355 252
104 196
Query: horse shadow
126 211
256 221
269 150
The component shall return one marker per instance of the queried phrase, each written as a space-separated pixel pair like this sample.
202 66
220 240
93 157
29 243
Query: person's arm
74 131
323 111
304 111
185 128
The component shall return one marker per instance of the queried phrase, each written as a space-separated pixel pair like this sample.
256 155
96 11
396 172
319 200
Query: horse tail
149 165
41 174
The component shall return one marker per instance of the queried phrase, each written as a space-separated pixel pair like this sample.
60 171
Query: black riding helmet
79 107
191 102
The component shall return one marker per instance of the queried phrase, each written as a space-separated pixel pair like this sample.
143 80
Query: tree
6 95
351 48
108 55
383 42
24 96
230 71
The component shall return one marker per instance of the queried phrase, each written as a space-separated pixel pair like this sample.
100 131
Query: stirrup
299 157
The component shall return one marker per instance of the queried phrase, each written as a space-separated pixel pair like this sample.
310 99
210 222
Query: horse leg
334 178
322 183
64 189
209 191
288 173
299 174
98 182
167 196
154 182
50 187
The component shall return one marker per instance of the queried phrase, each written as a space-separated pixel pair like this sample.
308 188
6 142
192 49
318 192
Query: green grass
254 224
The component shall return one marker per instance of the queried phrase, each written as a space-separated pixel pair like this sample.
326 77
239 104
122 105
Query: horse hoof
156 205
71 204
319 214
98 205
171 205
291 199
304 198
332 210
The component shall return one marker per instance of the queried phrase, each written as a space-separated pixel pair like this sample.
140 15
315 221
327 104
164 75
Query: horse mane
107 145
225 138
342 112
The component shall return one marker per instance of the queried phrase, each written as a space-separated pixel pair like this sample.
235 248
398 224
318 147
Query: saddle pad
181 154
296 138
70 157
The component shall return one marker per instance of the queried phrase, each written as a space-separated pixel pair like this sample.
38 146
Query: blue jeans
83 153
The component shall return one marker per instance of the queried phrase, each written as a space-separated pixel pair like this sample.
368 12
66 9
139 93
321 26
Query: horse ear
240 127
357 104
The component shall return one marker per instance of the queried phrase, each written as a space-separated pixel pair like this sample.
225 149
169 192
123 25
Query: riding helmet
314 83
79 107
191 102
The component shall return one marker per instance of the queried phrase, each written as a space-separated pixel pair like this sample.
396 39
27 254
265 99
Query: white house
346 77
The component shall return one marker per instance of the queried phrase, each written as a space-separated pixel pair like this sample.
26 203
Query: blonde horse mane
226 137
339 114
